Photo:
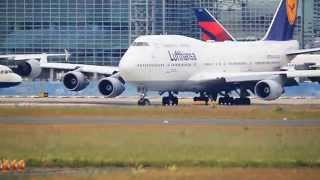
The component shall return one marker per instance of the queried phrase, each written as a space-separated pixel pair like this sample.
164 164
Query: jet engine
110 87
75 81
268 89
30 68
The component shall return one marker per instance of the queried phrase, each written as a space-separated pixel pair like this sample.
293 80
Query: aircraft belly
168 85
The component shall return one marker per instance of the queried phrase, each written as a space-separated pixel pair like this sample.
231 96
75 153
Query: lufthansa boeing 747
172 63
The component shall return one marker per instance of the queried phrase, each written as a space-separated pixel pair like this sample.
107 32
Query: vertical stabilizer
283 23
210 26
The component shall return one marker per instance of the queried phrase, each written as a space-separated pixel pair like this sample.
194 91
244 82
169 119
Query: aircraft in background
211 28
8 78
172 64
28 65
213 31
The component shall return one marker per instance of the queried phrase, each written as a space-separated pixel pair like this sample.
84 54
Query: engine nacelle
75 81
268 89
30 68
110 87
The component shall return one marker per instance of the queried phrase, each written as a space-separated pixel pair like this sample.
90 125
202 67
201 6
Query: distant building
100 31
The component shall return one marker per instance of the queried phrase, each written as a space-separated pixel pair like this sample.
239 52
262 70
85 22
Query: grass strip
79 145
242 112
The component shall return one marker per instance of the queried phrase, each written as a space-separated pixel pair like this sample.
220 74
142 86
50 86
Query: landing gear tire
170 101
144 102
204 99
165 101
232 101
226 101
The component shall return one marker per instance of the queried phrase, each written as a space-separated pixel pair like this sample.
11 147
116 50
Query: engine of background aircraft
30 68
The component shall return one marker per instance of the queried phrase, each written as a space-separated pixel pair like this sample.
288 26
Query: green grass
242 112
74 145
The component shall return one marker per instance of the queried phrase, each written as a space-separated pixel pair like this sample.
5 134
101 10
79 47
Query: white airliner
178 63
8 78
172 63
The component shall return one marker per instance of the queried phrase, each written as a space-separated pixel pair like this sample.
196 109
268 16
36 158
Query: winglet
43 58
67 55
211 28
283 23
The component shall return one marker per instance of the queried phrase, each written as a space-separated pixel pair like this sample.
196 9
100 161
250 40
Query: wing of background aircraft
211 28
24 57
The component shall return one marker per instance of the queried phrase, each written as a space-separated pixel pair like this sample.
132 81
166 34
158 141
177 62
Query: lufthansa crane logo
292 6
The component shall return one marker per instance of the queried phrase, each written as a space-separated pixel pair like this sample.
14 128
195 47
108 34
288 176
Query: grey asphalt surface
98 101
154 121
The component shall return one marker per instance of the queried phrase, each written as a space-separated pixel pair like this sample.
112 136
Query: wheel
147 102
175 101
141 102
221 101
230 101
165 101
247 101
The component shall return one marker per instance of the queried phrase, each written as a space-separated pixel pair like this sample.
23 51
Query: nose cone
126 66
18 78
15 80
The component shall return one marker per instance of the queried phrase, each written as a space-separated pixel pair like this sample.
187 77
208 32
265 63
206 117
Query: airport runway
132 100
154 121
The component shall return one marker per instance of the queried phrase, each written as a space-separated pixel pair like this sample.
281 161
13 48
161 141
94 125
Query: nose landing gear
143 101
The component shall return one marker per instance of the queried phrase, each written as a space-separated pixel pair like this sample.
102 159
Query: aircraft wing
238 77
303 51
106 70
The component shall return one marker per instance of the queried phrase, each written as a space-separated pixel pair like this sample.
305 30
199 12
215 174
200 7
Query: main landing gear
233 101
203 97
170 100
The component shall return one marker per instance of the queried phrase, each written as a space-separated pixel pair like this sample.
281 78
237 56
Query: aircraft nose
17 78
126 67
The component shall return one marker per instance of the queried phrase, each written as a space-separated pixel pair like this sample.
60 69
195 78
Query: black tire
175 101
141 102
165 101
231 101
147 102
247 101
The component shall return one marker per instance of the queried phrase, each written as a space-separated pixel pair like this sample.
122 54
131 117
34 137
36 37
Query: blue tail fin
211 27
283 23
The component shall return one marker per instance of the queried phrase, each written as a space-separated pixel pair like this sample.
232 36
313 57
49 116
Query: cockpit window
140 44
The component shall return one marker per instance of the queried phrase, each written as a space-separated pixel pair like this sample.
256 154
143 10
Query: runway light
14 165
21 165
6 165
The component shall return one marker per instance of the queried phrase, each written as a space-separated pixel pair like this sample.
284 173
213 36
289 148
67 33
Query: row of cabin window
5 72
